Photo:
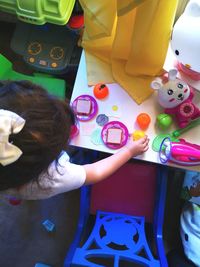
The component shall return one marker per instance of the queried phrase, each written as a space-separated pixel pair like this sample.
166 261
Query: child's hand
138 147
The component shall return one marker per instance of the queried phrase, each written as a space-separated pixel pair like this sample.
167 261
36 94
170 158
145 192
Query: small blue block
49 225
41 265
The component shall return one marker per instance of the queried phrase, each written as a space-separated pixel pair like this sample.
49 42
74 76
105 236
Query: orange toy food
100 91
143 120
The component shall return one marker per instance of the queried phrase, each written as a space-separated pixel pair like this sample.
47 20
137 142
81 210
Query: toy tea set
174 95
114 134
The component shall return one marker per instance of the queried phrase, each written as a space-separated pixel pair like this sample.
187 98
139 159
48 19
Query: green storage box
51 84
39 11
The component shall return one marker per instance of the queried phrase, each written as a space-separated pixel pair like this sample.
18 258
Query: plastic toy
52 85
102 119
74 131
76 22
173 136
181 153
164 121
138 135
100 91
85 107
15 201
40 12
185 41
49 226
143 120
49 48
41 265
176 97
114 134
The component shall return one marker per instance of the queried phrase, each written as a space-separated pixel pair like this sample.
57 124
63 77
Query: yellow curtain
126 41
181 7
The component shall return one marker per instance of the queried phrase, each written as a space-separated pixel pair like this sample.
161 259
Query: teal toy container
39 11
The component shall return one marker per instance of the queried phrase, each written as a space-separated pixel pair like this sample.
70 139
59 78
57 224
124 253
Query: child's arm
100 170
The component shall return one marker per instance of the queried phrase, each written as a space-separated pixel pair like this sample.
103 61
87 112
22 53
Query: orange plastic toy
143 120
100 91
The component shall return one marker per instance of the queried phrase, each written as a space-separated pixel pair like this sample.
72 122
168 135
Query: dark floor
23 239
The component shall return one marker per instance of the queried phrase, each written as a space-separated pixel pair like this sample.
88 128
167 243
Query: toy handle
178 132
177 151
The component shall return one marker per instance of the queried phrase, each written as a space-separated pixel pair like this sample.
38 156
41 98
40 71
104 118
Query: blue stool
117 237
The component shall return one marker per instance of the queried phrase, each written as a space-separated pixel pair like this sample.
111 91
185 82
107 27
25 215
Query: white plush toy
185 40
176 97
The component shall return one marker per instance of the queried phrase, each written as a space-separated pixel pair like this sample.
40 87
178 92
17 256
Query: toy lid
41 11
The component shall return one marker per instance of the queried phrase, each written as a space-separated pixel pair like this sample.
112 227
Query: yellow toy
138 134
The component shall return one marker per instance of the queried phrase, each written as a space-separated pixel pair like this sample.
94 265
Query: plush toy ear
192 9
172 74
156 84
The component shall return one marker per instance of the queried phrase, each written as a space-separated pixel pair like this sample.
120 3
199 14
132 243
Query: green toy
173 135
39 11
52 85
164 121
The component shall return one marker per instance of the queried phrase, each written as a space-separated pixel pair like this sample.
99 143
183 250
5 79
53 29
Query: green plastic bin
39 11
52 85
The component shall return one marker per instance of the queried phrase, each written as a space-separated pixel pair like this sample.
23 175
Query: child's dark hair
44 135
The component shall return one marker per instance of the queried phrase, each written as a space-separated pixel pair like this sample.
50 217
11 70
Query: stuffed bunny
176 97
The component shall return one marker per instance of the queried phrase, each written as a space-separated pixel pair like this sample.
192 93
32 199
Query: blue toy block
49 225
41 265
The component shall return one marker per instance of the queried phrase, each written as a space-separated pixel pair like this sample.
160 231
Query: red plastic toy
100 91
76 22
143 120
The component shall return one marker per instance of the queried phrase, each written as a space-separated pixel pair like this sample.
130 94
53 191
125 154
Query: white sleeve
190 233
61 177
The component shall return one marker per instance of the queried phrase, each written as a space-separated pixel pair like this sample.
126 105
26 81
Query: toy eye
170 92
177 52
180 86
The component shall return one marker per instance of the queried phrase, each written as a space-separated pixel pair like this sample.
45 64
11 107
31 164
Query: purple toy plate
114 125
93 111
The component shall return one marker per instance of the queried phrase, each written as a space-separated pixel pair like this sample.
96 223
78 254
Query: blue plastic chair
118 236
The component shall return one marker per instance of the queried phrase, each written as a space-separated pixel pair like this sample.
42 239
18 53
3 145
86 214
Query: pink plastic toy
74 131
114 134
181 153
176 97
85 107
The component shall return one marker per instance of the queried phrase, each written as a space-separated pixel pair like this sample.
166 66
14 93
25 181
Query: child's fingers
146 148
146 145
146 142
143 139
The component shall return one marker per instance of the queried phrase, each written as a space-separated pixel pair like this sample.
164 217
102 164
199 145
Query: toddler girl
34 133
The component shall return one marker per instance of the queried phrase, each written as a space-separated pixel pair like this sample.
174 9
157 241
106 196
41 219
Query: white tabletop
126 113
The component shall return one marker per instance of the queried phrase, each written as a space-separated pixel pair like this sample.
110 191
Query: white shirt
61 177
190 232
